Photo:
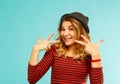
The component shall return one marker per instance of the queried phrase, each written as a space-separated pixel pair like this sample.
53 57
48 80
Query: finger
40 39
52 42
50 36
80 42
48 47
100 42
85 38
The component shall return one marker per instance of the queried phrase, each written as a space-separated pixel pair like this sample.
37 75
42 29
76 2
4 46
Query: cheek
73 34
61 33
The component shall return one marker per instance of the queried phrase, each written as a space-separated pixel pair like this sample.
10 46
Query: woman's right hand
44 45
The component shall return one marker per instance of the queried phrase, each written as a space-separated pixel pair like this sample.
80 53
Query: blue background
23 21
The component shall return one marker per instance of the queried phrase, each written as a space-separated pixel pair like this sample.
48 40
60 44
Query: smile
67 38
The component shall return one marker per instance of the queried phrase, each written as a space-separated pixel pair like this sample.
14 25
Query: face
67 33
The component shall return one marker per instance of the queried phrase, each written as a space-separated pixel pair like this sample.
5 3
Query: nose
66 32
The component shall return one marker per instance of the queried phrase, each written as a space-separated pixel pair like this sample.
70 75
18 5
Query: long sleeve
96 76
37 71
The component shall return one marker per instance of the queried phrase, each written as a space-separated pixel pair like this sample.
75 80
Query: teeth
67 38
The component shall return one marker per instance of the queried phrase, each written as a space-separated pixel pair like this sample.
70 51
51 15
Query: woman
72 56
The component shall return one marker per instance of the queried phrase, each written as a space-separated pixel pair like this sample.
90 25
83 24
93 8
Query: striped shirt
64 70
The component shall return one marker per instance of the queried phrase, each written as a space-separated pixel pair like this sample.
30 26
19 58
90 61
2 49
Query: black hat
80 17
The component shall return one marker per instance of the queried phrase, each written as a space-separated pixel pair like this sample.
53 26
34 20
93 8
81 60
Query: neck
70 51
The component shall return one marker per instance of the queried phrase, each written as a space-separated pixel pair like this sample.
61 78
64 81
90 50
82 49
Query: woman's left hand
90 48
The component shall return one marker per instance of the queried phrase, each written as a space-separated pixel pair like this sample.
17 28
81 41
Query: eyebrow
68 26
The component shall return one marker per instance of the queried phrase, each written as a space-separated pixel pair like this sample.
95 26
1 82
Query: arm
96 71
35 72
96 75
95 66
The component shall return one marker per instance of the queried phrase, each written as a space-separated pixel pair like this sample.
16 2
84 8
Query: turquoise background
23 21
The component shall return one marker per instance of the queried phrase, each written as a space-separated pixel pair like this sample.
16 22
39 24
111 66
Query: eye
71 29
62 29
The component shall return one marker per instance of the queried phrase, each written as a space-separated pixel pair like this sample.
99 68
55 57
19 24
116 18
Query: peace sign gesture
90 48
44 45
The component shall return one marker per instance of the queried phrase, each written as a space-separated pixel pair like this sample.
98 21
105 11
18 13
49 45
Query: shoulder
88 58
52 49
51 52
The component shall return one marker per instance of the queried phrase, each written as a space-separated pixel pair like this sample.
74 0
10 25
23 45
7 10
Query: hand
90 48
44 45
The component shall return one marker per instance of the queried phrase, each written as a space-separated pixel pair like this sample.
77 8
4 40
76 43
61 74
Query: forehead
66 24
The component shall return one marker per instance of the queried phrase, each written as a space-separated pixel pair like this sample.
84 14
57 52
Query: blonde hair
79 50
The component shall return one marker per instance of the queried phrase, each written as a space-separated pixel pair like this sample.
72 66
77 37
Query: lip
67 40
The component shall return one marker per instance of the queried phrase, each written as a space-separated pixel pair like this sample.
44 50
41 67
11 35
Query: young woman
72 56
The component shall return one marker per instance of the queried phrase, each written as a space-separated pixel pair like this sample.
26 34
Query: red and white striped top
64 70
